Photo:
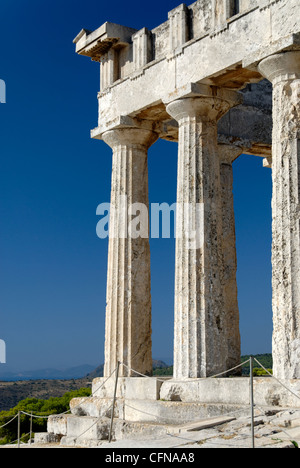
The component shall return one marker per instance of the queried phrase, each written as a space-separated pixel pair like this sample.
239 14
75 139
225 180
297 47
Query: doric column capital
206 108
281 67
283 70
130 137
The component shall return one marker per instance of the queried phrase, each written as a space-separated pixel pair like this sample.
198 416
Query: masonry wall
197 20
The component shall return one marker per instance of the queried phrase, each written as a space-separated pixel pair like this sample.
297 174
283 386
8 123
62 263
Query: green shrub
258 372
37 407
163 371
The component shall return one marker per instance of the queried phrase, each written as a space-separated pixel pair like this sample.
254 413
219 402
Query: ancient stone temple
216 77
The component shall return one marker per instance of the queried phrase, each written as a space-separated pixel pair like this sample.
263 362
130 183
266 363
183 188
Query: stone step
85 431
96 407
176 413
151 411
88 431
272 426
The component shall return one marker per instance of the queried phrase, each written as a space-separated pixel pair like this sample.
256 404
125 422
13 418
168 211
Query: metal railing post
252 402
19 428
30 429
114 401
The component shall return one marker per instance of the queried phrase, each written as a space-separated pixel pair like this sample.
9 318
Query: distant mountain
90 372
157 364
78 372
98 372
46 374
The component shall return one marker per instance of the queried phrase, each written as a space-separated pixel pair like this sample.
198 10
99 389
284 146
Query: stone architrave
283 70
128 311
200 347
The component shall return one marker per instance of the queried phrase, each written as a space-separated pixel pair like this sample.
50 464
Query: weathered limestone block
217 391
267 391
173 412
132 389
57 424
283 70
43 438
128 312
200 18
200 347
138 430
88 428
142 48
179 24
96 407
108 69
222 10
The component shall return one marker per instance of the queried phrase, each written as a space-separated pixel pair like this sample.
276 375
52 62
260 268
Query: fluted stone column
283 70
200 347
227 155
128 312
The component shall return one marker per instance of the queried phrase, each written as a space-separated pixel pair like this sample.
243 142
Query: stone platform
229 391
153 408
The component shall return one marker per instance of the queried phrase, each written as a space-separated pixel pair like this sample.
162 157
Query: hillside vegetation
264 359
43 408
13 392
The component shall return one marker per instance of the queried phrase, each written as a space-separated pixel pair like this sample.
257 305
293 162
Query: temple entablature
213 43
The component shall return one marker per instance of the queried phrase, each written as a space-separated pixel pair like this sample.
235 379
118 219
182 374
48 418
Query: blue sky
53 176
